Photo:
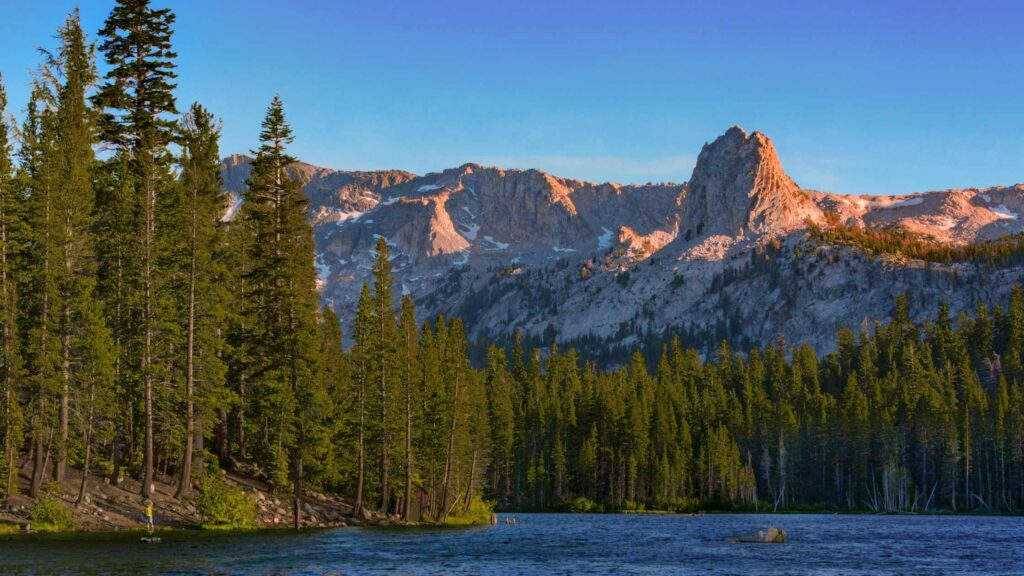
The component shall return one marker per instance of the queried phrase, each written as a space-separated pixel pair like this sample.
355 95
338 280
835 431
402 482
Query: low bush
478 514
223 507
581 505
51 514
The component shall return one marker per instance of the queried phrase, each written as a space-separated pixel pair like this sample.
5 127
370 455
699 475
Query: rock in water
770 536
150 539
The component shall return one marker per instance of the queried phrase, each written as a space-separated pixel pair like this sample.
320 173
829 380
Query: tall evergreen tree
136 98
282 294
73 68
384 368
203 295
408 332
39 163
362 354
10 363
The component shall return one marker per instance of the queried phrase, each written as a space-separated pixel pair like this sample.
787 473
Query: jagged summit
508 249
739 187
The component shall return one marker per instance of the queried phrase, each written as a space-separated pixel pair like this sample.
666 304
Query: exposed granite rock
724 256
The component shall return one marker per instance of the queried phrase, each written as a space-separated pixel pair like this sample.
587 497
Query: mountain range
727 255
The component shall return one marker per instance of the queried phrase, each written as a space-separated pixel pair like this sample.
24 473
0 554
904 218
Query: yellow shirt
149 511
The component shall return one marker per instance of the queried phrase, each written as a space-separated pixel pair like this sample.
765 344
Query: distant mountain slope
724 256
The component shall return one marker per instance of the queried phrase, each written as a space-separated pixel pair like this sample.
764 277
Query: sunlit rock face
724 256
739 186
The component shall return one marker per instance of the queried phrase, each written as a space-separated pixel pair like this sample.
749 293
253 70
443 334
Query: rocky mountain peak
739 187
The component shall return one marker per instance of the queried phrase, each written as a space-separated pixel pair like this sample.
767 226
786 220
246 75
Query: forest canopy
144 335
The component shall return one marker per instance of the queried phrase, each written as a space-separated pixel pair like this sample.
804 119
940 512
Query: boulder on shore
770 536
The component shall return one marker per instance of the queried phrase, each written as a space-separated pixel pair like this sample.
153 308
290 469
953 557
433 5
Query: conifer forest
143 335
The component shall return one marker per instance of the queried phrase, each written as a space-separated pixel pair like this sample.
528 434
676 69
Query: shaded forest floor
112 508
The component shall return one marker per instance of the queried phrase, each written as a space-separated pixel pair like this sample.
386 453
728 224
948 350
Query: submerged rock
770 536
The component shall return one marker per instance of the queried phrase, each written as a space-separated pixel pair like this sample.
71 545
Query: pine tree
72 205
361 357
410 386
453 347
39 163
500 407
334 374
10 363
282 295
95 354
136 98
203 205
384 369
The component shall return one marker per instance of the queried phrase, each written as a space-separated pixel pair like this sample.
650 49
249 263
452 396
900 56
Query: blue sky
859 97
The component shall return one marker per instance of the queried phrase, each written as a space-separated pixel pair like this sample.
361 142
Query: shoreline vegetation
154 350
10 529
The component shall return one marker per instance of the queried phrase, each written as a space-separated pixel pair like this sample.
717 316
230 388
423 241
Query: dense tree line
899 418
1004 251
142 335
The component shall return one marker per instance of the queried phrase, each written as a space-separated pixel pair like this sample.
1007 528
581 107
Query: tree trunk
185 481
115 450
385 489
297 479
450 450
241 418
198 462
407 502
362 445
222 438
87 443
147 319
40 451
62 447
65 349
472 480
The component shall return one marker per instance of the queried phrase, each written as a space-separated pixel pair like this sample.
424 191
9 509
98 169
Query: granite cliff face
739 187
723 256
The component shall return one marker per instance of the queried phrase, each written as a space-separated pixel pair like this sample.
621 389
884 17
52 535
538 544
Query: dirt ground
108 508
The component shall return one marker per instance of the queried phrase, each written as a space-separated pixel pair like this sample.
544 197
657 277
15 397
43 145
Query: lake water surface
558 544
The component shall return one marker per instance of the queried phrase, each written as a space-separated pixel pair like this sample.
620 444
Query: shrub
479 514
632 506
223 507
580 504
50 514
279 474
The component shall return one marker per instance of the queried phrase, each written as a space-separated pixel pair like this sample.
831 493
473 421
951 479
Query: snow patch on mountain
1004 213
497 245
470 231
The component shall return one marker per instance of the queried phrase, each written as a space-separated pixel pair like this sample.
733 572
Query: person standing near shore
148 512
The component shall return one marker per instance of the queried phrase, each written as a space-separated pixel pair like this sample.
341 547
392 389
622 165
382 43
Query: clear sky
859 97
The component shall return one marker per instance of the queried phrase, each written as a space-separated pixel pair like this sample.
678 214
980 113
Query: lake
557 544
